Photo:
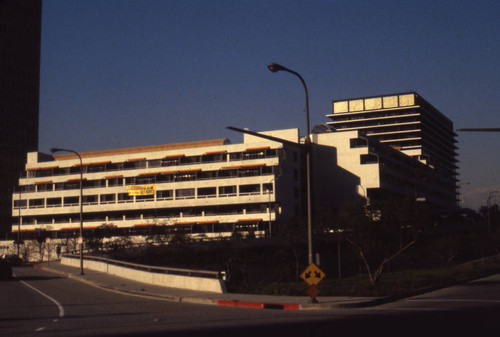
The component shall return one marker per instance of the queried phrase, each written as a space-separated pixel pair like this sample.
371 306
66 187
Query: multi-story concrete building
350 164
207 186
408 123
211 186
20 34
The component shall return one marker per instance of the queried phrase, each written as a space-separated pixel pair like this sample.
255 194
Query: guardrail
154 269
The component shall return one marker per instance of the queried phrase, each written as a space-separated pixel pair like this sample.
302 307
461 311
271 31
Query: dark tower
20 35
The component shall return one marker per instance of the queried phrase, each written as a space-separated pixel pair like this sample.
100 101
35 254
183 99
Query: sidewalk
114 283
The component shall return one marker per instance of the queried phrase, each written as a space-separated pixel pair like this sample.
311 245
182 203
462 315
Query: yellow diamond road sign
312 274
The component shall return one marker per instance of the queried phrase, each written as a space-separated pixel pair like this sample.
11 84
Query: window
164 195
134 164
145 180
227 191
44 173
368 158
72 185
207 192
139 198
227 173
235 156
90 200
164 178
36 203
213 158
54 202
28 188
93 183
20 202
44 187
130 181
154 163
358 142
249 172
268 188
96 168
71 201
190 160
186 193
114 166
253 155
107 198
170 161
124 197
249 189
115 182
185 176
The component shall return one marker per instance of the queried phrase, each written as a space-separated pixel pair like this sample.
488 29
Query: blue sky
121 73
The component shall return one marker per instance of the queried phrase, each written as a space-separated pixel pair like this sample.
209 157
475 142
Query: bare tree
380 231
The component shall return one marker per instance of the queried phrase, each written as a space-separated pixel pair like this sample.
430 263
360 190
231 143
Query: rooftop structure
407 123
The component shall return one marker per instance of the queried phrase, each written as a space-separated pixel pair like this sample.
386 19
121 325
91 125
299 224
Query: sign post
312 275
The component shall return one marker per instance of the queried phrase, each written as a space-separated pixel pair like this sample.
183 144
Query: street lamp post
19 222
274 67
53 150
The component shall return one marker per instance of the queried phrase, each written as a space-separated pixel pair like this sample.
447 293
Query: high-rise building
20 35
408 123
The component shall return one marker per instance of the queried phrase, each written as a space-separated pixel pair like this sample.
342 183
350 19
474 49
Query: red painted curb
37 266
258 305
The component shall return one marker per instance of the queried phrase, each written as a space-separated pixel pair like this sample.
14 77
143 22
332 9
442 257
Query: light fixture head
274 67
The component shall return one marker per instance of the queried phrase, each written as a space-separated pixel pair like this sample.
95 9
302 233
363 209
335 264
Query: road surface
38 303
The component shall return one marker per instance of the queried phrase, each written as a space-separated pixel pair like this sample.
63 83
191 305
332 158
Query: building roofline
420 97
150 148
375 96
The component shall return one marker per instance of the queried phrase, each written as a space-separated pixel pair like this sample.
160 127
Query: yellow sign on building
141 189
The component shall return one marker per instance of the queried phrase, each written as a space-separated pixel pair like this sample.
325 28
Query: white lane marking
40 329
59 306
452 300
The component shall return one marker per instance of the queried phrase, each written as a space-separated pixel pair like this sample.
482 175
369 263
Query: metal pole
19 223
273 187
273 67
81 213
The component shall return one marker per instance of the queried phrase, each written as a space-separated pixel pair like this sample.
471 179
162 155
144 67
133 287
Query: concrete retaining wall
159 279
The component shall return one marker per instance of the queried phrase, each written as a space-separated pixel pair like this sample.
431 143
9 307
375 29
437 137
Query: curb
258 305
226 303
191 300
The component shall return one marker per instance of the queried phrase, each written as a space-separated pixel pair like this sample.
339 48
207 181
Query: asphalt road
39 304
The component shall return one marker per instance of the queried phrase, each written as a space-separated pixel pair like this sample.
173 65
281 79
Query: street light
53 150
20 219
274 67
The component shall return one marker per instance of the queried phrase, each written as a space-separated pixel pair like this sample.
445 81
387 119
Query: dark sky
120 73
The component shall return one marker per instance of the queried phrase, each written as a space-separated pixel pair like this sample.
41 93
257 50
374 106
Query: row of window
141 163
178 194
152 178
163 216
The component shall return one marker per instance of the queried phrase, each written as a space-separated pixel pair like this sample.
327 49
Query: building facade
356 165
211 187
409 124
20 34
198 187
